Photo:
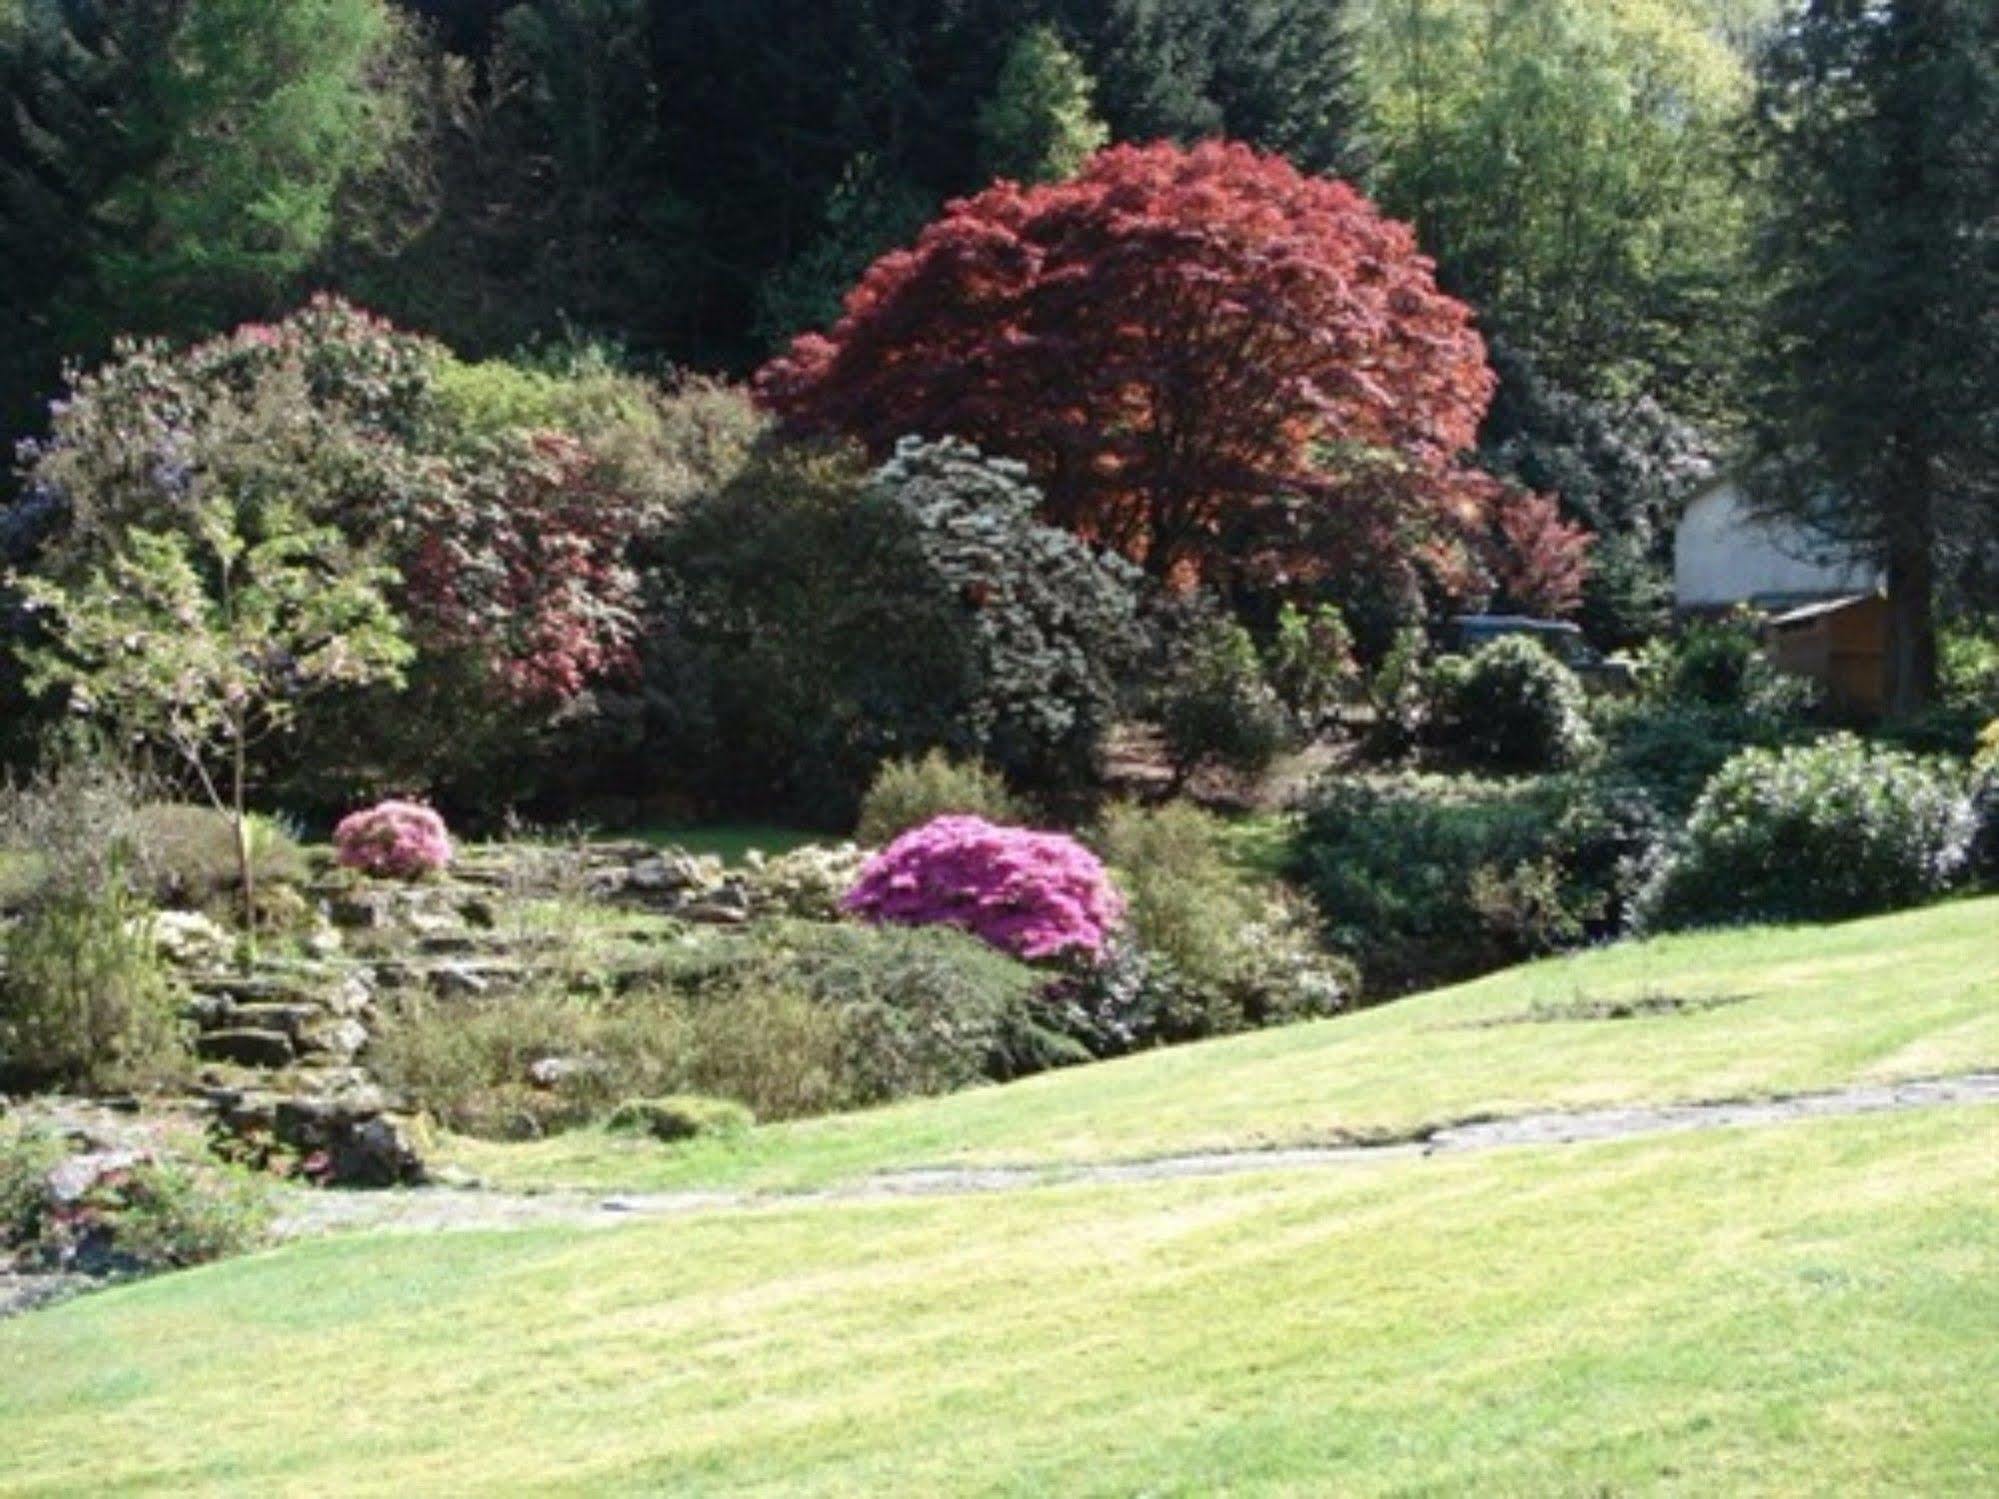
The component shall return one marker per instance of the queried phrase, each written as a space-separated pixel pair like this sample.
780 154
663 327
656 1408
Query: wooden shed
1842 644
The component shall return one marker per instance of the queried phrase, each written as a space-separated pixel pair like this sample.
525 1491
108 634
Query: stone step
246 1048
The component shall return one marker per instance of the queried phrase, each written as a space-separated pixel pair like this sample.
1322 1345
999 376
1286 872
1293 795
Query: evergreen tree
1877 397
1038 124
169 165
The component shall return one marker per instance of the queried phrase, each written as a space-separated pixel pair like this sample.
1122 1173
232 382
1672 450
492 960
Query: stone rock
553 1072
246 1048
70 1181
459 981
379 1153
343 1039
726 905
188 939
287 1020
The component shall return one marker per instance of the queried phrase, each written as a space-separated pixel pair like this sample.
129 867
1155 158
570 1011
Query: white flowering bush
1053 622
807 882
1816 832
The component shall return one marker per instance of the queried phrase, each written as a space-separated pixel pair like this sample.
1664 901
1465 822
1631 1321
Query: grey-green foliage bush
1053 622
924 1010
84 999
908 793
1216 948
1510 706
188 854
1215 704
515 1066
1835 829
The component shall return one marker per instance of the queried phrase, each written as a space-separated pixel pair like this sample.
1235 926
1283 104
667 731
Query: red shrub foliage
522 563
1208 360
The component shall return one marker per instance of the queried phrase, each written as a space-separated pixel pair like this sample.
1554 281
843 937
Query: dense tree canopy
1211 362
171 165
1568 163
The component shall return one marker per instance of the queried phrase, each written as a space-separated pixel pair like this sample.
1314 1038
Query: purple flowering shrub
394 839
1034 895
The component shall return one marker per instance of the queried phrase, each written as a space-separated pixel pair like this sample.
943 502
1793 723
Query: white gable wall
1722 556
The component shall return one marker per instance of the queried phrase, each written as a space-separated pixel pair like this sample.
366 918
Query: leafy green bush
816 619
908 793
1214 705
1224 950
1821 832
1985 802
664 445
1312 665
1510 706
1672 749
1426 878
682 1117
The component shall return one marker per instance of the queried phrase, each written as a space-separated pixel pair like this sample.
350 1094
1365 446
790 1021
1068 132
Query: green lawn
732 841
1806 1309
1903 996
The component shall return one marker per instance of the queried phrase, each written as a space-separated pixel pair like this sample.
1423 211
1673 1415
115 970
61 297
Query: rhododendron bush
1034 895
398 840
1221 367
506 551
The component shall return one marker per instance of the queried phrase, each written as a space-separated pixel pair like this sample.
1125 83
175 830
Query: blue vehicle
1465 633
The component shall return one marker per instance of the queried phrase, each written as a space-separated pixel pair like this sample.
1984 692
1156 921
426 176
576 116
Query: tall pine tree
1877 404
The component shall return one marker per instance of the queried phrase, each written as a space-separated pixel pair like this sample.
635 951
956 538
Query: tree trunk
1912 637
245 867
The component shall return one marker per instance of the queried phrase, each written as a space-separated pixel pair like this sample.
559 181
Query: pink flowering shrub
394 839
1034 895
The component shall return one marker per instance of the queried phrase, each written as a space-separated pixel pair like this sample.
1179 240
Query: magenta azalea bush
1034 895
395 839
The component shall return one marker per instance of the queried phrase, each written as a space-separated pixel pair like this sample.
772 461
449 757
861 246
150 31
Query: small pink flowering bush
395 839
1034 895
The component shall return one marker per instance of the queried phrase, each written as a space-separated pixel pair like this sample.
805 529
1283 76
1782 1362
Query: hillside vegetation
1733 1014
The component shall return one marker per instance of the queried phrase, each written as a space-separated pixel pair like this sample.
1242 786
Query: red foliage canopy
1207 359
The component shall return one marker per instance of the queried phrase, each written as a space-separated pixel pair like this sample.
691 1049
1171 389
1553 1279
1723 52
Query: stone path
436 1209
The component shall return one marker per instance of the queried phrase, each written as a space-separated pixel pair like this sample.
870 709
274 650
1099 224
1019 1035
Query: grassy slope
1803 1309
1902 996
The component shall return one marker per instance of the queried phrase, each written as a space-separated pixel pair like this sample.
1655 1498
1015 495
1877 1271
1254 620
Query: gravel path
437 1209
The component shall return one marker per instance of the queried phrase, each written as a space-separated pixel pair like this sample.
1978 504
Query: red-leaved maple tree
1222 367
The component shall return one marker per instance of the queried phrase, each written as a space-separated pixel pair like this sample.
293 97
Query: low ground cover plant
685 1116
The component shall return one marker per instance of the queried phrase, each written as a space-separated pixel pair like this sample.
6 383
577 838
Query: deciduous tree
1209 361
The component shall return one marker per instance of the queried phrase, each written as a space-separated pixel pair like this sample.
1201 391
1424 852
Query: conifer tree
1876 405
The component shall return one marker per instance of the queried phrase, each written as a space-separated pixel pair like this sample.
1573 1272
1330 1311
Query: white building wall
1723 556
